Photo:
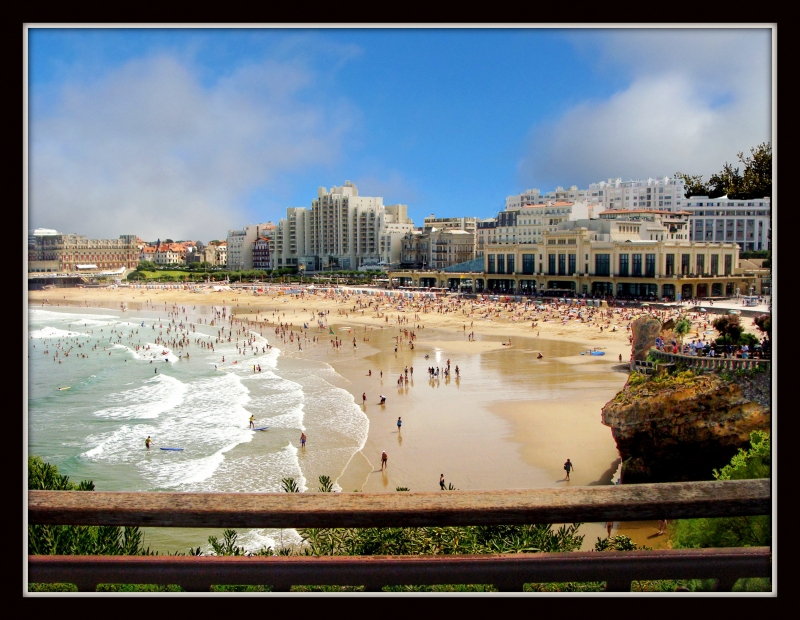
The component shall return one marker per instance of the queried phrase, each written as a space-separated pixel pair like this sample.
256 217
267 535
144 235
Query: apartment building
745 222
433 248
54 252
261 254
528 223
240 242
664 193
342 230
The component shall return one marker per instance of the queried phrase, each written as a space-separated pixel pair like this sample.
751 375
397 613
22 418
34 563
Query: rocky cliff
682 427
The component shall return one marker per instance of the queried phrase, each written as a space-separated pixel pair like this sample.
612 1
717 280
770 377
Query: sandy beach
527 395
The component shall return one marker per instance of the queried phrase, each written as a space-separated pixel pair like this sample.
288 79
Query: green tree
755 181
729 327
764 324
732 531
75 539
693 184
682 327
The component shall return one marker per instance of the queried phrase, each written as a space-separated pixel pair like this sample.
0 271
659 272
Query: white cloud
695 99
148 150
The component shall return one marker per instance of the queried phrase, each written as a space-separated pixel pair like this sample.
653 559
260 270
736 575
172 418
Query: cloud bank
147 149
695 98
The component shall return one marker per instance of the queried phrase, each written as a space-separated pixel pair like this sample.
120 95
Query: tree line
754 181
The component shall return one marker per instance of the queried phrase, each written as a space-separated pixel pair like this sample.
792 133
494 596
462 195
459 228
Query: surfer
252 421
147 442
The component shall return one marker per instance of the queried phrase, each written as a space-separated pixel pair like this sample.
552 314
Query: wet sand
508 422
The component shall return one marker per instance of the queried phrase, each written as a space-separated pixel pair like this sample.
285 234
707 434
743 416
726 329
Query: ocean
99 384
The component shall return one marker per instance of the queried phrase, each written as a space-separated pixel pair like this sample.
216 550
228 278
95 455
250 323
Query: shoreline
479 437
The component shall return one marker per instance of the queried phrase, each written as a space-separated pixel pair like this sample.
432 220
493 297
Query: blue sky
186 133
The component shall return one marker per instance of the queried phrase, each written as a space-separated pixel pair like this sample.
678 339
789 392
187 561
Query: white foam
158 395
55 332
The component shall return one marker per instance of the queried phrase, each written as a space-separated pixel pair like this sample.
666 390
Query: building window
701 264
491 264
571 264
509 263
650 265
728 264
602 264
562 264
528 263
637 265
685 264
670 264
501 263
551 264
623 264
715 264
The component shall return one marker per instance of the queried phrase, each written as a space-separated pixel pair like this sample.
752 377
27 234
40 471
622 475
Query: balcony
508 572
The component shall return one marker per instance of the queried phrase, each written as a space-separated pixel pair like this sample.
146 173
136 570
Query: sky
186 133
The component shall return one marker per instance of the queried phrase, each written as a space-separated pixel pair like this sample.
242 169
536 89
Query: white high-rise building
342 230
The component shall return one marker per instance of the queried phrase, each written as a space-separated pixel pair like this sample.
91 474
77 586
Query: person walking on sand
252 421
303 441
364 398
568 467
441 482
147 442
384 458
399 424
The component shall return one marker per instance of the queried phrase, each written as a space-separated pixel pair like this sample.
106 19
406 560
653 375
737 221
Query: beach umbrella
702 309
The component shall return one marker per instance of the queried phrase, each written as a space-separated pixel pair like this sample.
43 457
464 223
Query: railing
711 363
453 508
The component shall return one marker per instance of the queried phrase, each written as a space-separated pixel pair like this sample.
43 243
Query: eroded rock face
684 430
644 331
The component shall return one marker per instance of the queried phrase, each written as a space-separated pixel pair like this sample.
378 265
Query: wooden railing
453 508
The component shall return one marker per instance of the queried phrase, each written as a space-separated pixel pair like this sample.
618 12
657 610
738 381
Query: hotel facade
53 252
621 254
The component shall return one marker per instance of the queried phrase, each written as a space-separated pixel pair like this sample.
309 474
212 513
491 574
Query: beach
528 394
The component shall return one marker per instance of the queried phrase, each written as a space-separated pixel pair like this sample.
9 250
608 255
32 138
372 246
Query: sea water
119 395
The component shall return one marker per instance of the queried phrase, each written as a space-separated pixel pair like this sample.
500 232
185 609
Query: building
261 255
54 252
528 223
240 245
745 222
342 230
292 240
622 255
665 193
433 248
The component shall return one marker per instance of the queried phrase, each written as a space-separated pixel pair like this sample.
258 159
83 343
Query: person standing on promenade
384 458
609 525
568 467
441 482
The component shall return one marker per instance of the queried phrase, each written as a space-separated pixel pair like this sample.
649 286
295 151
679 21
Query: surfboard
263 428
65 388
173 449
